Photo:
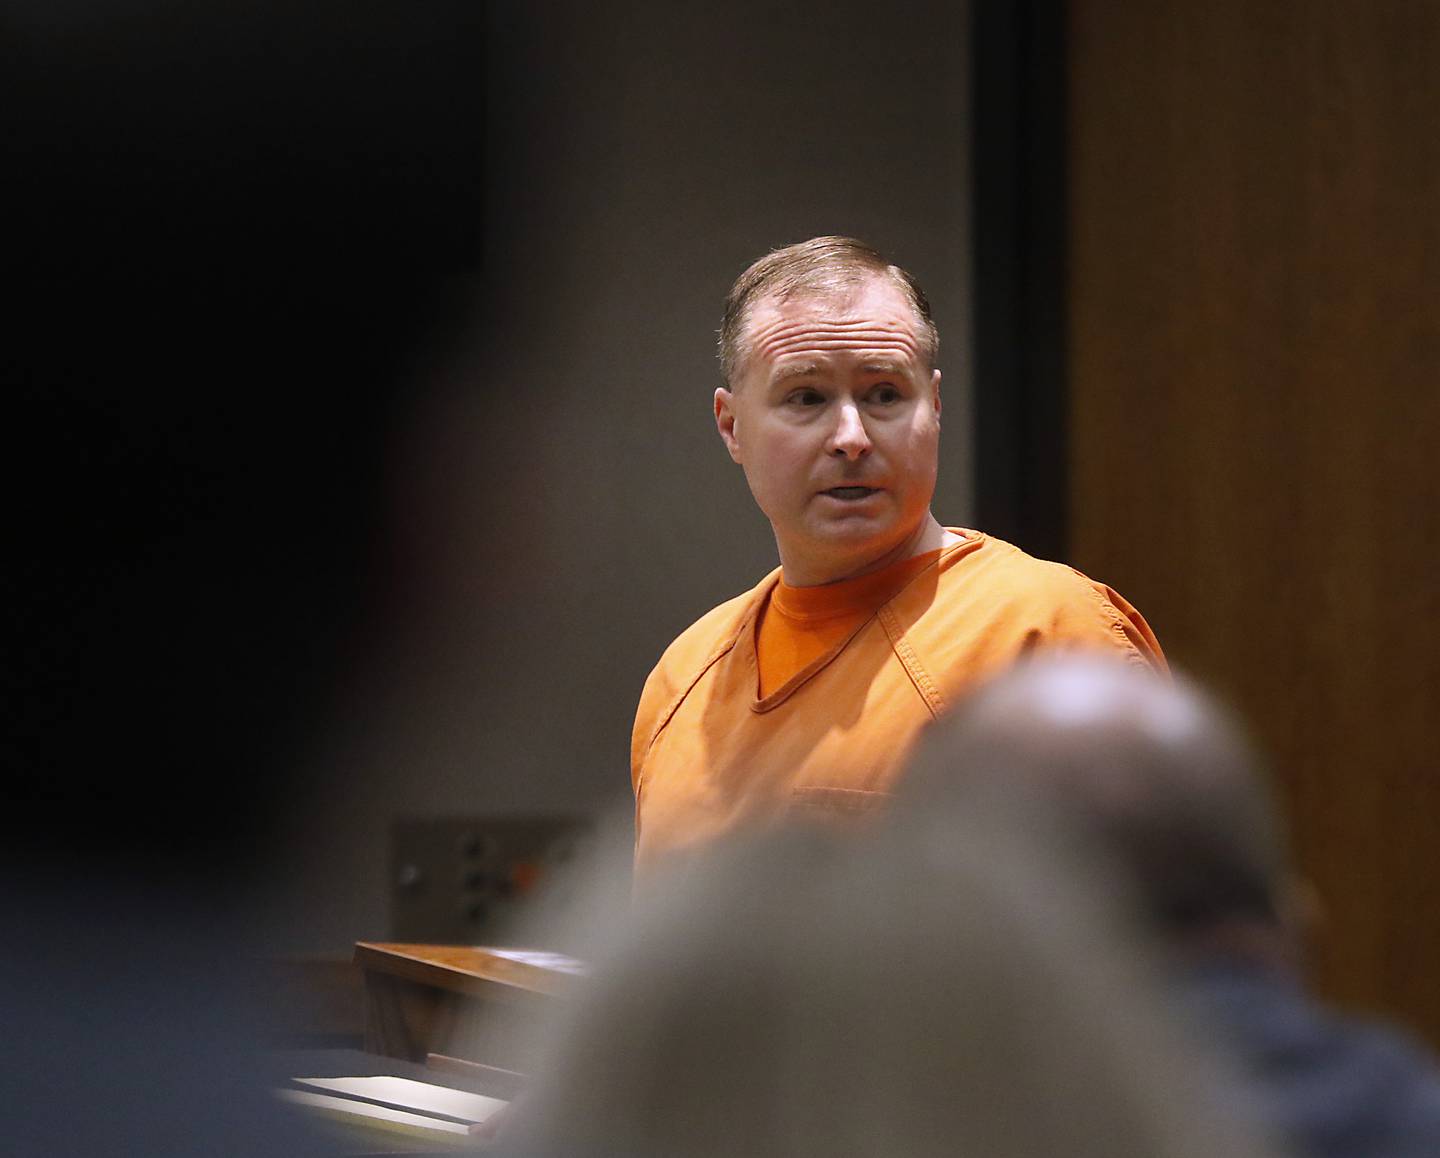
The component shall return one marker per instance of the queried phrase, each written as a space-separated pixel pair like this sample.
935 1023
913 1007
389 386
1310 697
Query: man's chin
856 538
870 534
857 528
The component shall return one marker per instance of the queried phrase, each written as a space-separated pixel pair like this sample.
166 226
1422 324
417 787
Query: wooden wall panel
1254 360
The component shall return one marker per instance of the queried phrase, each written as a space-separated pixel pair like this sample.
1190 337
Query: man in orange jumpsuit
805 694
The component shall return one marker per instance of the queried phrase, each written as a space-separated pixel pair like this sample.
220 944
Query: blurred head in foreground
1158 773
1164 784
911 992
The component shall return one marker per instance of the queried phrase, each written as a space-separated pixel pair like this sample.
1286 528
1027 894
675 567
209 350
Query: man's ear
725 421
935 392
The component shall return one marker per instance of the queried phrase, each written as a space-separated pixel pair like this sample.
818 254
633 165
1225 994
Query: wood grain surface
1254 293
458 968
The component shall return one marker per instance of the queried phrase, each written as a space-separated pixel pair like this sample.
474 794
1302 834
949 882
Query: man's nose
849 439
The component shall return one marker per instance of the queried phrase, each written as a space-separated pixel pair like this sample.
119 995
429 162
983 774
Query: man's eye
806 398
885 394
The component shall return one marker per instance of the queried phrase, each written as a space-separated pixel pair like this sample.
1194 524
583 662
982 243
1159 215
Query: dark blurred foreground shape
236 232
1166 785
918 993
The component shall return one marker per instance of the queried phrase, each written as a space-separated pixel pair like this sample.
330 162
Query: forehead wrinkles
782 337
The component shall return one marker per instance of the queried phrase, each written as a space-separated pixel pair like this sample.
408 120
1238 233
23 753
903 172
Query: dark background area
235 231
364 461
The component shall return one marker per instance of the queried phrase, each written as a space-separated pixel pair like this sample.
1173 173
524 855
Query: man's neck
803 570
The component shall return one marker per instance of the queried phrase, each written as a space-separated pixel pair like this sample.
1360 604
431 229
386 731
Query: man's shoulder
710 635
996 570
991 602
721 623
687 658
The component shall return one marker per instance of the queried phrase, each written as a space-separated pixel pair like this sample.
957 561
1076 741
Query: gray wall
562 506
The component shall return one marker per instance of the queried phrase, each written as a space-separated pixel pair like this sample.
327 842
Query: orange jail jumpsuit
851 673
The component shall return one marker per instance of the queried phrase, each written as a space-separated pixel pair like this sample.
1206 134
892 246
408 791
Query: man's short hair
822 265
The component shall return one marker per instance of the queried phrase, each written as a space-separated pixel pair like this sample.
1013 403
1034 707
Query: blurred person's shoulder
1331 1083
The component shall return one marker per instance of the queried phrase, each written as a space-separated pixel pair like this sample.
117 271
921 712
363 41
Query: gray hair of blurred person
1159 774
965 993
820 266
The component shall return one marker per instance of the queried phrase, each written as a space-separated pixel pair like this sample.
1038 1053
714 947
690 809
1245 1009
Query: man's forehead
874 318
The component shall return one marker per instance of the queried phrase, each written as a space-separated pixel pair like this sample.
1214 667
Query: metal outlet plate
463 880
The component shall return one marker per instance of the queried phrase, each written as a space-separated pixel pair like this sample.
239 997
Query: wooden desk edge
479 973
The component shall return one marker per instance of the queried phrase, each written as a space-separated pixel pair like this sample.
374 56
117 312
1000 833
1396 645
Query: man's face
836 422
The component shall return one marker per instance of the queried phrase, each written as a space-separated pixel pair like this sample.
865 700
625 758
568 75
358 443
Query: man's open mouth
851 493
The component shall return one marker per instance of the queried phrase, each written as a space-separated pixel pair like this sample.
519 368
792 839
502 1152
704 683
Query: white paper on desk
378 1114
541 959
412 1095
